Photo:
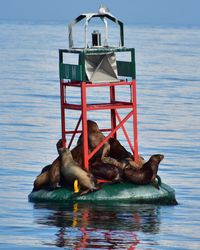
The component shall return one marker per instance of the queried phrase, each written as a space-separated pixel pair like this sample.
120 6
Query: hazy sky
158 12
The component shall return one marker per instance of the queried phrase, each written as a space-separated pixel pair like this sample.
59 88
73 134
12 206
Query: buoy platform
111 193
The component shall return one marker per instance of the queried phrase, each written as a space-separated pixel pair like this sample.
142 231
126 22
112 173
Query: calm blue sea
168 88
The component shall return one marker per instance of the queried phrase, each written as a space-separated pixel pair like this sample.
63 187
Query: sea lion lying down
117 157
105 171
146 174
49 178
118 152
140 172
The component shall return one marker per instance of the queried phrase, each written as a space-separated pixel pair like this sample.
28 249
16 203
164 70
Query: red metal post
135 132
62 102
113 115
84 125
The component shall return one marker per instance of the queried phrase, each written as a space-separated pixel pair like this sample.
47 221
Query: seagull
103 10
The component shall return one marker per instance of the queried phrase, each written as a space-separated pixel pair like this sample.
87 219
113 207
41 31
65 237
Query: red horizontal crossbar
93 85
80 131
100 106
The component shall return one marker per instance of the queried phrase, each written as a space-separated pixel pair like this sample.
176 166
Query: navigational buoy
101 65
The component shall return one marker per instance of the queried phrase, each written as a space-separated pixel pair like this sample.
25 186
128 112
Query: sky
153 12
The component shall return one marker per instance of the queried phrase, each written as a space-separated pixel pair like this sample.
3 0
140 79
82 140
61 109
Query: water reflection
93 226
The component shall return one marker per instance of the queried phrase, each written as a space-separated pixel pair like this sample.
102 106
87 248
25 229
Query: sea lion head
157 158
92 126
59 144
64 150
154 163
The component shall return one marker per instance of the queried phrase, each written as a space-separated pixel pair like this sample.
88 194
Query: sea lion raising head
147 173
95 137
71 171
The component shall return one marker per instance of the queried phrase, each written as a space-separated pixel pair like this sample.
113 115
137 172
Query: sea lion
118 152
71 171
120 165
95 137
42 180
146 174
49 178
105 171
77 154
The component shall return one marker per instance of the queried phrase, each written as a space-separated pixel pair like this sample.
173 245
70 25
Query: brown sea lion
120 165
71 171
77 154
105 171
117 151
146 174
42 180
95 137
49 177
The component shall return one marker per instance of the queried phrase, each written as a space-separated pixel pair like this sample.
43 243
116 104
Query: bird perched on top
103 10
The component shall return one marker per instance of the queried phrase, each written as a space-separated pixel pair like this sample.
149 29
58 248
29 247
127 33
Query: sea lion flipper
155 184
86 191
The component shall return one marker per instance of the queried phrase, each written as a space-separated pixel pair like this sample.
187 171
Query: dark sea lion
118 152
146 174
55 173
49 177
71 171
42 180
46 168
105 171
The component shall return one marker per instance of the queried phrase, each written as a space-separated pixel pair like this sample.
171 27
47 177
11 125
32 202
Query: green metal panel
71 71
126 69
82 63
77 72
133 63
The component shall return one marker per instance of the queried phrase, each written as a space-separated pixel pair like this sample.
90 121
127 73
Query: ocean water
168 93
